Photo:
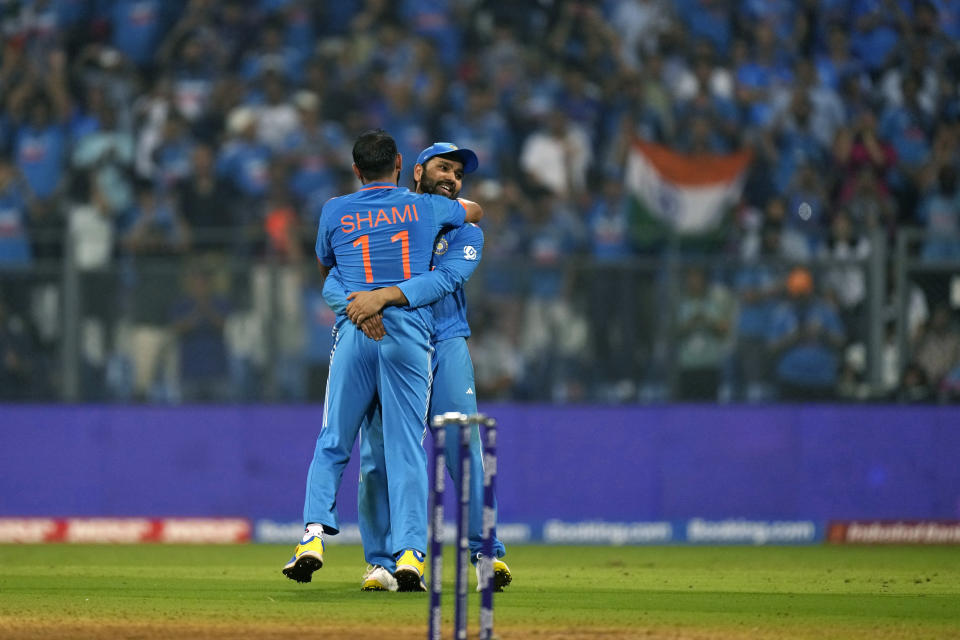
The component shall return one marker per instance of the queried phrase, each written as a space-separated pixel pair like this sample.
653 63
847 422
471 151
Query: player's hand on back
372 327
363 304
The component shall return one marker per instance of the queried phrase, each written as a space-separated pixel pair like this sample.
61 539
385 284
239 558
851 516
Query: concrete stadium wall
567 463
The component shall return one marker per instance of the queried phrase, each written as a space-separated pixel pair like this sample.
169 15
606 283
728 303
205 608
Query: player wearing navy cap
378 237
439 170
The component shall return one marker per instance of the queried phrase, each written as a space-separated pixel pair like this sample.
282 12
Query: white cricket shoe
501 573
377 578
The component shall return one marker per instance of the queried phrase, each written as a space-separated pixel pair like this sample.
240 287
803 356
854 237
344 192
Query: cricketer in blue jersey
377 237
439 170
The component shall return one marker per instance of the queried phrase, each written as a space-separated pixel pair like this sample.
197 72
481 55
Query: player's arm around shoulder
473 211
456 256
464 250
469 238
451 213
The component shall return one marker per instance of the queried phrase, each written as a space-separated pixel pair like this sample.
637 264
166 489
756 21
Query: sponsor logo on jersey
469 253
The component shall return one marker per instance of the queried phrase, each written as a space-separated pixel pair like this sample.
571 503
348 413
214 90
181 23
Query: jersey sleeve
334 292
452 268
446 212
323 248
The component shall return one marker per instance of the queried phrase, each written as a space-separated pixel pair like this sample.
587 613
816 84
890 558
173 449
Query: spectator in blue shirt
193 72
274 54
157 231
939 213
808 187
406 120
707 91
766 71
805 336
433 19
15 247
796 140
40 141
608 221
700 137
874 37
481 127
313 151
41 146
197 320
171 157
909 128
947 16
826 109
836 61
505 227
243 160
780 15
107 152
138 27
555 332
580 98
709 19
757 284
299 17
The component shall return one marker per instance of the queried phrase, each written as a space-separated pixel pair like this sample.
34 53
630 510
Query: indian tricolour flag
688 193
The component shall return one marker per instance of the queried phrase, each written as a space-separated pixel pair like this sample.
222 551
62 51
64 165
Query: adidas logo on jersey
469 391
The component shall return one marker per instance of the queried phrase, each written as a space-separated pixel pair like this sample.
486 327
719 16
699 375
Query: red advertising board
894 532
126 530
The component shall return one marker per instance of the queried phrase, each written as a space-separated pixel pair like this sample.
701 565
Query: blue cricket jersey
456 255
382 234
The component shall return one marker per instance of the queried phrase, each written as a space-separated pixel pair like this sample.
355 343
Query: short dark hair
375 153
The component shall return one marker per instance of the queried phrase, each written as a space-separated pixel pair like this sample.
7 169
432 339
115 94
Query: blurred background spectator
703 325
806 336
938 346
197 319
18 359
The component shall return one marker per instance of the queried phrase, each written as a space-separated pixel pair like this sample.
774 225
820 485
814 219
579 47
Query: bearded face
440 176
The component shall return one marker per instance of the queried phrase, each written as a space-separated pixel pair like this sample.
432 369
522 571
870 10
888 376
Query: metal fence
923 342
222 325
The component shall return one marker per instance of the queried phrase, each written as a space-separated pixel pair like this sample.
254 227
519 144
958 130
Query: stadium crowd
185 148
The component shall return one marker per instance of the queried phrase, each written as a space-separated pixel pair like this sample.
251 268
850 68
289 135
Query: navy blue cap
467 157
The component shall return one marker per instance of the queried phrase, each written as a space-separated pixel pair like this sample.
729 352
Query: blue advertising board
627 475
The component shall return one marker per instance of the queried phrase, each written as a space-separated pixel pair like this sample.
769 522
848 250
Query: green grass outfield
237 591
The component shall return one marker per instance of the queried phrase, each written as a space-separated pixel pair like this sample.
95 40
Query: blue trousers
452 390
397 371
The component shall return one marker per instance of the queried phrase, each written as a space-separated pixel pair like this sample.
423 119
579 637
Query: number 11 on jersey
364 243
